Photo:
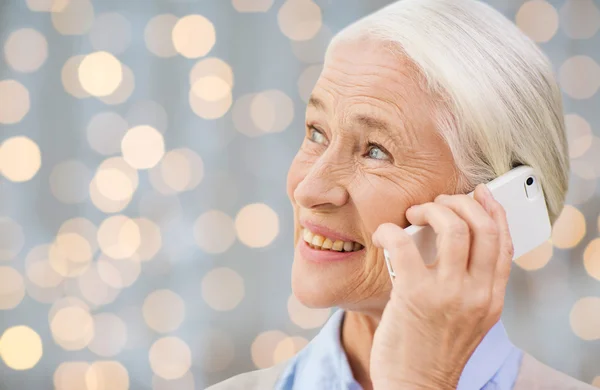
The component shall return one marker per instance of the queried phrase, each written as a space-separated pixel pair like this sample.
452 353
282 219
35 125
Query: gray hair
499 106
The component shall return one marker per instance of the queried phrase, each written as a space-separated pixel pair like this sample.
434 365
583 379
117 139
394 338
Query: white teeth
308 236
338 246
316 241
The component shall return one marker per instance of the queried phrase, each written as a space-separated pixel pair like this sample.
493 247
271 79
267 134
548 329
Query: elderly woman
417 105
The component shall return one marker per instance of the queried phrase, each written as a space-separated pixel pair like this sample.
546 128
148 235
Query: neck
357 339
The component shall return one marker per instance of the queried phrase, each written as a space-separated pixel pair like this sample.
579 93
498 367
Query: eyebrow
363 120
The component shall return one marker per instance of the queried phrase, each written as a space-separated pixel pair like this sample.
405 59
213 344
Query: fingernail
486 191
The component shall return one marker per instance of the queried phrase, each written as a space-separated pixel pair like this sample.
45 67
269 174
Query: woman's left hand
438 314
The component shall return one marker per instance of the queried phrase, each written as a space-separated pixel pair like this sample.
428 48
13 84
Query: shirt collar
323 363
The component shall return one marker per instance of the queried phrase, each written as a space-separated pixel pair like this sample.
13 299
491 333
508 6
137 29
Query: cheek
379 203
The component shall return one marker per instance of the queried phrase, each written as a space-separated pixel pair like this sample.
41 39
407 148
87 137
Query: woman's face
371 151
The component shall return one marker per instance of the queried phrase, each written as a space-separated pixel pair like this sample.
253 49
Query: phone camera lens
529 181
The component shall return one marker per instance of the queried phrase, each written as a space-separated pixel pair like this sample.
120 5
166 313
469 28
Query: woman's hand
439 313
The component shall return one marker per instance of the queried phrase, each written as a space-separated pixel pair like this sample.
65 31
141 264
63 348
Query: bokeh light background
145 233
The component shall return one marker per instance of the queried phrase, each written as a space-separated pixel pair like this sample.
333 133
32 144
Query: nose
321 188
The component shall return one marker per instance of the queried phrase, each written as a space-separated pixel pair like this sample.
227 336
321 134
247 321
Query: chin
316 289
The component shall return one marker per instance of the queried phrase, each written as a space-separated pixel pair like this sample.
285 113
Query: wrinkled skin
371 152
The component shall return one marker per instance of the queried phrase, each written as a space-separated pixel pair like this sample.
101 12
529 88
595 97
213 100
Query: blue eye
316 136
376 153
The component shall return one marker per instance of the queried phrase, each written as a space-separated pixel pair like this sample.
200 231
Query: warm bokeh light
83 227
70 77
12 238
71 376
263 348
590 163
117 184
569 229
181 169
20 159
306 317
175 171
74 17
585 318
39 270
257 225
148 112
65 302
212 66
579 135
193 36
164 311
124 90
214 351
25 50
207 109
20 347
307 81
157 35
93 289
70 254
272 111
105 131
47 5
214 231
580 19
70 181
537 258
312 51
118 274
110 335
150 239
211 88
72 328
591 258
100 73
111 32
242 117
15 102
582 183
538 19
252 5
299 20
596 381
114 184
119 237
288 347
222 289
579 77
170 358
12 288
143 147
186 382
107 375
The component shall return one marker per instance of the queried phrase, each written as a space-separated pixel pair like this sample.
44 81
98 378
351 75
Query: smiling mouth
319 242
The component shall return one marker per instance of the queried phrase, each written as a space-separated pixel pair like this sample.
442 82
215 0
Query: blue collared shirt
322 364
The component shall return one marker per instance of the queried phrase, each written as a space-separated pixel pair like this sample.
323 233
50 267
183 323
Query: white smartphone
520 193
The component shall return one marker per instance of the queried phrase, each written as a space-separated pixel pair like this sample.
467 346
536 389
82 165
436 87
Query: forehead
366 77
369 68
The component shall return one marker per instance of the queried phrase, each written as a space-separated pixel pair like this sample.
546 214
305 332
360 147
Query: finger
403 253
506 253
483 253
453 237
